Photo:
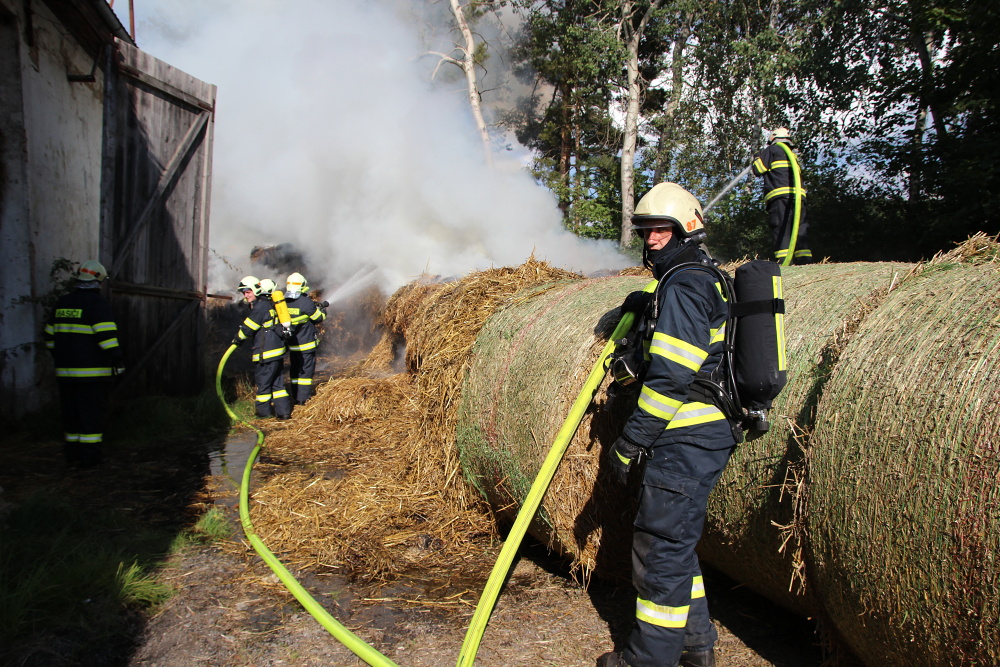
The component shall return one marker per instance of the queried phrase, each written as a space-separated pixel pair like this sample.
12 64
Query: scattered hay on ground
365 478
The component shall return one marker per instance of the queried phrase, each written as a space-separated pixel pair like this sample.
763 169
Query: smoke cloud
330 136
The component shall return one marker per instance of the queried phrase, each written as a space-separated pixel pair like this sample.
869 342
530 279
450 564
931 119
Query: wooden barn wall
157 173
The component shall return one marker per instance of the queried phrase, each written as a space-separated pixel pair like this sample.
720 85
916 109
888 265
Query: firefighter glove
636 302
621 456
237 341
285 332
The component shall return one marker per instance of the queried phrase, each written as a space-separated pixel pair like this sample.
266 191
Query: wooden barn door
155 190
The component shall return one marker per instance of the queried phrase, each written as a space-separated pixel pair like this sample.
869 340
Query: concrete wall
50 185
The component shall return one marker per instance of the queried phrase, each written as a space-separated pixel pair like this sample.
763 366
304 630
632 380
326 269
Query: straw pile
904 465
365 478
528 366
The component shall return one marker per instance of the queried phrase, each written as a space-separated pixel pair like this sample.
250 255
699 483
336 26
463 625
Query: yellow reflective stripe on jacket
718 335
694 413
269 354
108 343
661 615
657 404
789 190
66 327
299 319
95 372
105 326
678 351
758 166
250 324
305 347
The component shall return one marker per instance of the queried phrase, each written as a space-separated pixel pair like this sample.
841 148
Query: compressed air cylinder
281 308
761 369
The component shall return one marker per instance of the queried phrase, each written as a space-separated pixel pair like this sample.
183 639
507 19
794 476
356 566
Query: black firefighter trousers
671 609
272 398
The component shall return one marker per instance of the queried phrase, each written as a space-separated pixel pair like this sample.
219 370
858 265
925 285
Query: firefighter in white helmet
262 326
686 443
82 335
267 286
306 314
784 198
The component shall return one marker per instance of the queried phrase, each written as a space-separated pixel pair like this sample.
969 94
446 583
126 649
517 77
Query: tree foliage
893 105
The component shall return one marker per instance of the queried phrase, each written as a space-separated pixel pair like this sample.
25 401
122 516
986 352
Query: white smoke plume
330 136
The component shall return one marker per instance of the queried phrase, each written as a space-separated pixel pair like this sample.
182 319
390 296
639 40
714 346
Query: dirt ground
230 609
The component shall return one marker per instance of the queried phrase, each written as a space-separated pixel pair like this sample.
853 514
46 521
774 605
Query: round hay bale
528 364
904 469
753 531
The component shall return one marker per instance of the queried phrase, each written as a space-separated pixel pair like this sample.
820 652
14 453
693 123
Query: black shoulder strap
761 306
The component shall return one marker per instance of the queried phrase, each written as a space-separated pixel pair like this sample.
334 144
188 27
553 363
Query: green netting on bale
753 531
904 476
528 365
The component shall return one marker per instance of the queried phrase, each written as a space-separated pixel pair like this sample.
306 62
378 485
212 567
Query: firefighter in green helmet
82 336
306 315
685 443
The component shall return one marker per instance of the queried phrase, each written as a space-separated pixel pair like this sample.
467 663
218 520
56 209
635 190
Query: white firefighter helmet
249 283
669 203
780 134
267 286
91 270
296 285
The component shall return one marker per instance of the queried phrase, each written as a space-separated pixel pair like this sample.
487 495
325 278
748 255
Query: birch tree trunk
468 64
633 92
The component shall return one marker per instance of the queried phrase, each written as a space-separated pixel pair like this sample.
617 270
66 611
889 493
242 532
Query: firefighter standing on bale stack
263 327
82 336
686 443
305 314
785 199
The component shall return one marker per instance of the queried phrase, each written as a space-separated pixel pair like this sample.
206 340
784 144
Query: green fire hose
534 498
484 609
797 189
334 627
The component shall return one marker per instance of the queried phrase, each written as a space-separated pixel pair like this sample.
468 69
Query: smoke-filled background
331 136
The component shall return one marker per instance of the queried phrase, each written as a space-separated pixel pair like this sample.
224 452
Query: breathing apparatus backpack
753 368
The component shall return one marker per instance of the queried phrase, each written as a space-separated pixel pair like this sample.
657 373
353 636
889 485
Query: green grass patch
81 551
213 526
63 565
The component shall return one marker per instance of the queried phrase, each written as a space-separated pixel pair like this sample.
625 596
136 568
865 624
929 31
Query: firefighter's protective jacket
261 326
83 337
689 337
306 314
773 164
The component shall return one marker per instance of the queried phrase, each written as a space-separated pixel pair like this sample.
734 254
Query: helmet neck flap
674 253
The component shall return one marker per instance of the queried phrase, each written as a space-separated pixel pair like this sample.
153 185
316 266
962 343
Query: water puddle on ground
228 463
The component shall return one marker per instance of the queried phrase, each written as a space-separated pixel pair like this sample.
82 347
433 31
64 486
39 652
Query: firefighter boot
704 657
611 659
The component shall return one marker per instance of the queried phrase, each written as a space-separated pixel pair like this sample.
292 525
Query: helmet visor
641 226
